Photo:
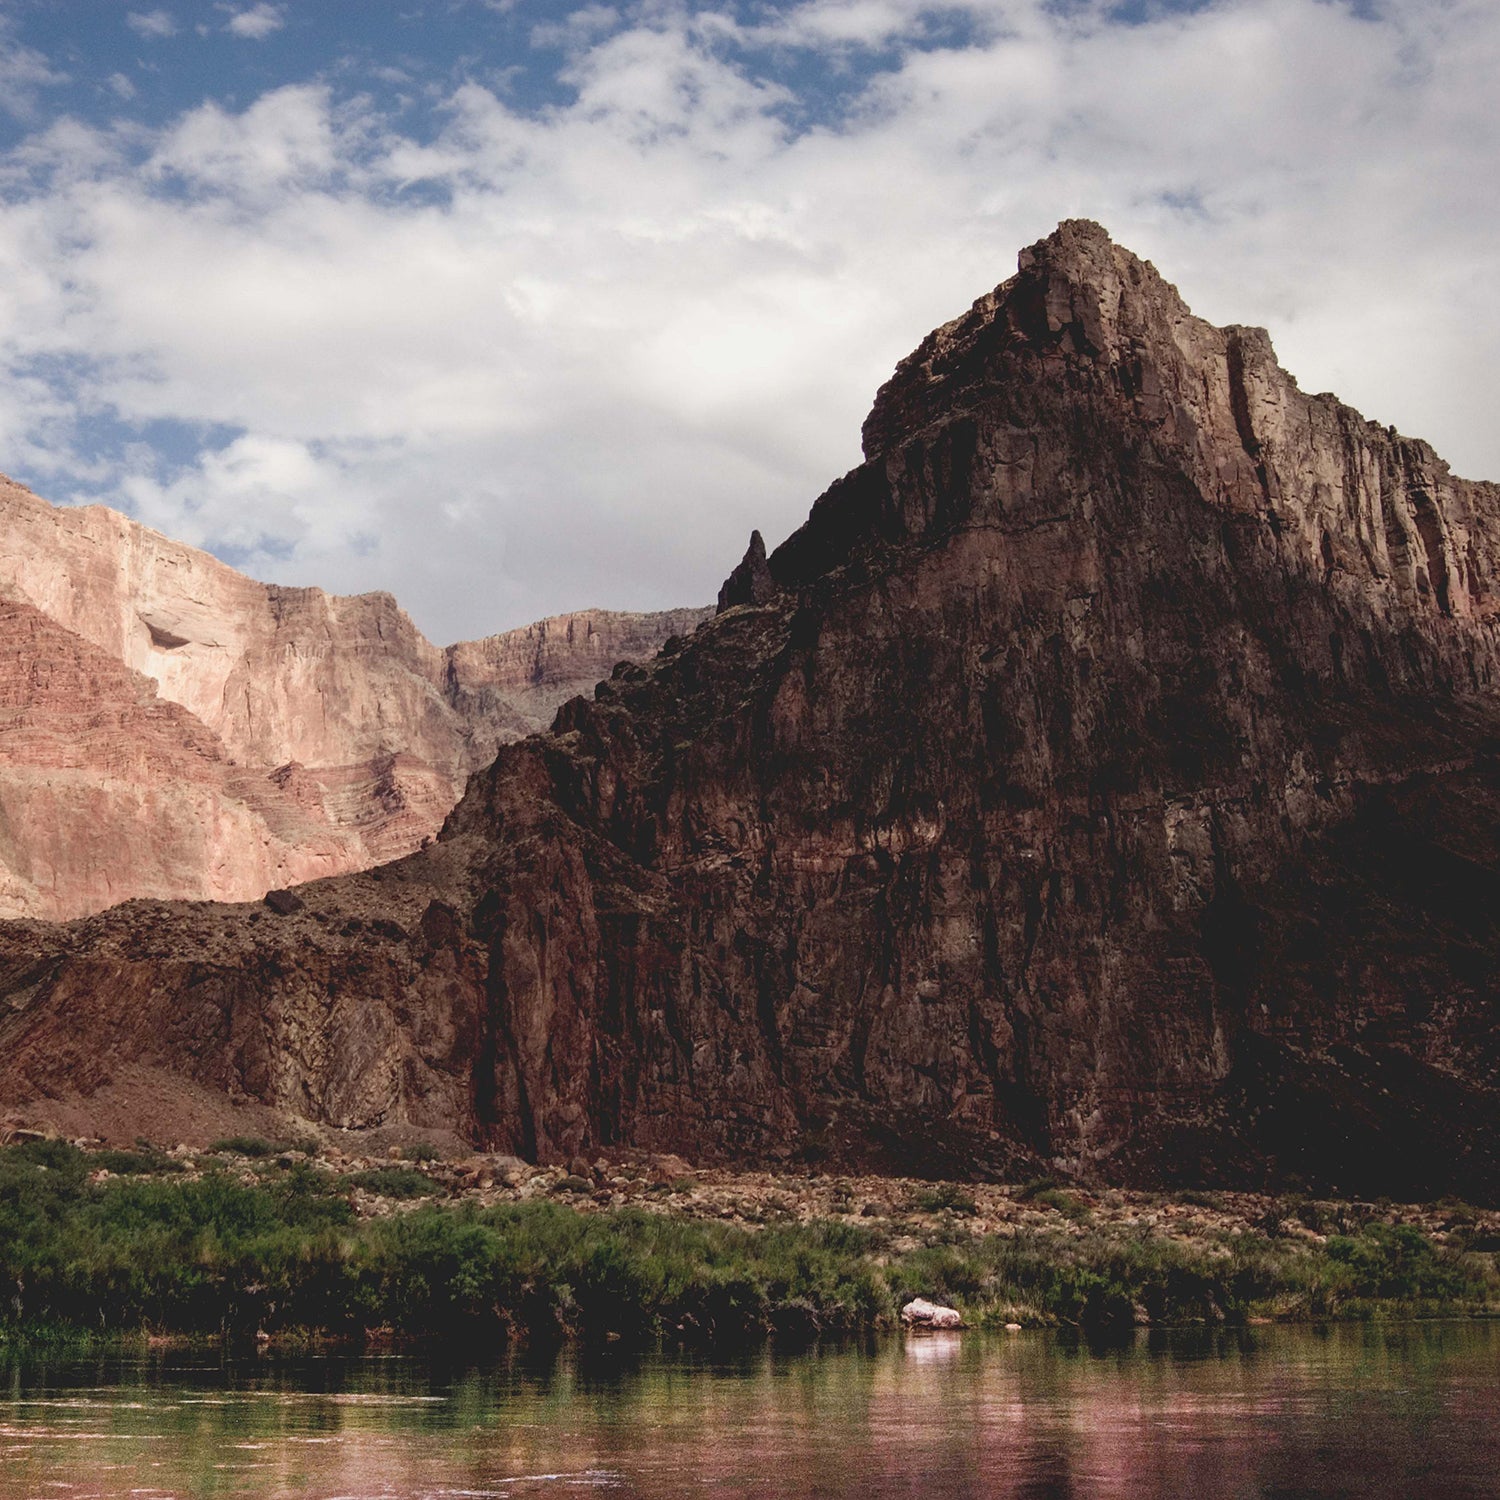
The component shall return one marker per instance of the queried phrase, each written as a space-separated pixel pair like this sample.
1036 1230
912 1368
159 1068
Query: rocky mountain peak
1107 786
1072 293
751 582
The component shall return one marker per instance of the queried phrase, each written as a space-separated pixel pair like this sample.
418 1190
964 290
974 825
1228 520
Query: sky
514 307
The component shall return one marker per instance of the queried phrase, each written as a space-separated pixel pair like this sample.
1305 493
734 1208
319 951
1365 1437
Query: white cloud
570 357
153 24
23 71
866 24
253 499
577 29
256 23
287 141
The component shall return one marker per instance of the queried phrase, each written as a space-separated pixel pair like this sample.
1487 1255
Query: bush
217 1256
133 1163
1029 1190
244 1145
1393 1262
393 1182
940 1196
1062 1202
544 1269
49 1156
1196 1198
1093 1282
140 1251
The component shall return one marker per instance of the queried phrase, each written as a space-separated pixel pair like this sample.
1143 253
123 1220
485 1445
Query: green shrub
1394 1262
1029 1190
1062 1202
393 1182
1277 1213
1195 1198
133 1163
215 1255
939 1196
244 1145
1326 1217
51 1156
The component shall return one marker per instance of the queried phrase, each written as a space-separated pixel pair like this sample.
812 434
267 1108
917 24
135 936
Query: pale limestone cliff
340 722
108 791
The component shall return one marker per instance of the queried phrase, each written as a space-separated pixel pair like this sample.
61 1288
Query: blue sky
150 63
518 307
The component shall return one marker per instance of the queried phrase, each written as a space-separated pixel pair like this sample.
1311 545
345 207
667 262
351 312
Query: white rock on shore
920 1313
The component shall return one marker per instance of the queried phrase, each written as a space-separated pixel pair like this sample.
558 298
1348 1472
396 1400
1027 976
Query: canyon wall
1103 780
350 734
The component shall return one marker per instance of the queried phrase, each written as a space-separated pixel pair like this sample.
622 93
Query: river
1368 1411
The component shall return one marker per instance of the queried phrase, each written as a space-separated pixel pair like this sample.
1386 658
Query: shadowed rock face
1104 781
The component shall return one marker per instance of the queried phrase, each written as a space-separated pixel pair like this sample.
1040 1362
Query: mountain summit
1101 780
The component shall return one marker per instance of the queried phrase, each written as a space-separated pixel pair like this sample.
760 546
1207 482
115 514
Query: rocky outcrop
336 710
751 582
1106 784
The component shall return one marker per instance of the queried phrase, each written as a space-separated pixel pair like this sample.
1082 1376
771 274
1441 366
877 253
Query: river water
1400 1410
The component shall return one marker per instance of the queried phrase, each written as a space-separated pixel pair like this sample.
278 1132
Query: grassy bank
104 1244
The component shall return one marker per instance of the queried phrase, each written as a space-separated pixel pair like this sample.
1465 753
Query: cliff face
348 730
108 791
1102 778
515 682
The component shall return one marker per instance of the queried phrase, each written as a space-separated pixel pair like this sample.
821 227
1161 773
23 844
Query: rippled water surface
1408 1410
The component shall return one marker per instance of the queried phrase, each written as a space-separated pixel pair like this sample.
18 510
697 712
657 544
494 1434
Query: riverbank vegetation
261 1244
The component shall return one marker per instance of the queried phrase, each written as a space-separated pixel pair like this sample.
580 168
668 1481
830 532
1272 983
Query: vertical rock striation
1103 779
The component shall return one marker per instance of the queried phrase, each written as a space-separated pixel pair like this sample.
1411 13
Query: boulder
920 1313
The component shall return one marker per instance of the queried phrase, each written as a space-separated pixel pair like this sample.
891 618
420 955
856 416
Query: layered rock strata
346 727
1102 780
108 791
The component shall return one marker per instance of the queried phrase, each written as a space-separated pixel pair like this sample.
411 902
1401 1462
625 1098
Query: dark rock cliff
1104 778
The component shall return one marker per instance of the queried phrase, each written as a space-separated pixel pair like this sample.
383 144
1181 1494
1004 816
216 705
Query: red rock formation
1105 780
369 729
513 683
107 791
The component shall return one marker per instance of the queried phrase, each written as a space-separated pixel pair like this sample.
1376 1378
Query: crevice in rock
163 639
1239 404
1429 529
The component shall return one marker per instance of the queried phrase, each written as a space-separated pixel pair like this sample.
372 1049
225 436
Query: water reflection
1403 1411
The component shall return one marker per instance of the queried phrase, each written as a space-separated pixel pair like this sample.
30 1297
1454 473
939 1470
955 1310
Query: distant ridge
341 736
